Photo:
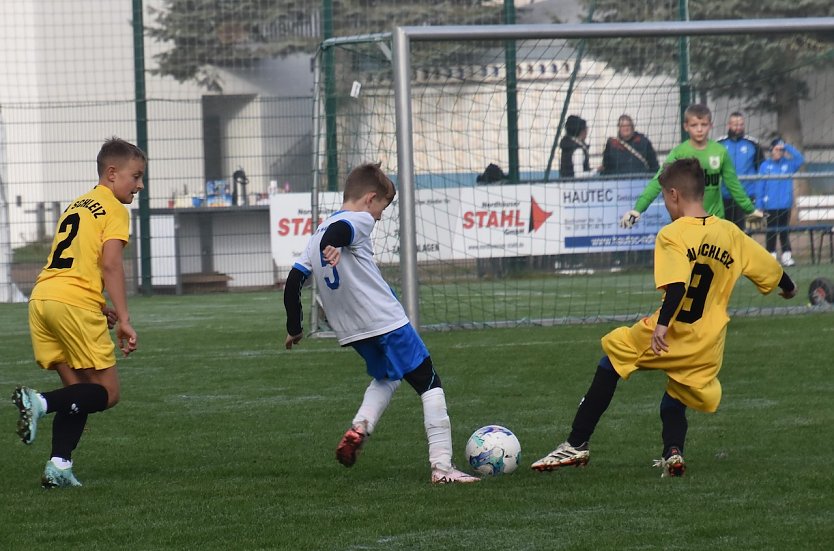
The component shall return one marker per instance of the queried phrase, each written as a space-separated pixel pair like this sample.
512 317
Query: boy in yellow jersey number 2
68 315
698 258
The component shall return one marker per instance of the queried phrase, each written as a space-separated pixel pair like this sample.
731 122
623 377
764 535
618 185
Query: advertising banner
581 216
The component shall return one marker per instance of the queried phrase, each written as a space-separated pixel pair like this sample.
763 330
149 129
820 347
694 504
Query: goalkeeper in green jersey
716 162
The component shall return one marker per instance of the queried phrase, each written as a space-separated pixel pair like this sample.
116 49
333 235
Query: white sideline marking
461 346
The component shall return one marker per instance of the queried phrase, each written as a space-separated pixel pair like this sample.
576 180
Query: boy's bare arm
113 274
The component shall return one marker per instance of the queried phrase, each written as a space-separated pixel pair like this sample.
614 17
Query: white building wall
462 127
175 144
69 84
62 61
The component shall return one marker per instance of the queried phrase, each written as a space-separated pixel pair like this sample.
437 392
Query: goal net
501 235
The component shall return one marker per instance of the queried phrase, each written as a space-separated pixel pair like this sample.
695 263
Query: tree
767 72
206 34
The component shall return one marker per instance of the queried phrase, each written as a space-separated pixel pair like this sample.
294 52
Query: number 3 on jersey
334 283
70 223
699 283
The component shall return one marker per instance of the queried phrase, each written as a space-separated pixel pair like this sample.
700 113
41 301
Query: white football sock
61 463
438 428
377 397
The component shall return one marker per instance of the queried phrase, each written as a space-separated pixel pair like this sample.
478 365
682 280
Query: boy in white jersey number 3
364 313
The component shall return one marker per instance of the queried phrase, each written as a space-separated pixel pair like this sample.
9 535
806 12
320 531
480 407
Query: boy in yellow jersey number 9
698 258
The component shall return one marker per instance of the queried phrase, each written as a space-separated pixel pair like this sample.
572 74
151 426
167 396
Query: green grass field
224 440
555 298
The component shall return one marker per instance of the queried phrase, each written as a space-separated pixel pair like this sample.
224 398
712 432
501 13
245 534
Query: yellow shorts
67 334
702 399
691 368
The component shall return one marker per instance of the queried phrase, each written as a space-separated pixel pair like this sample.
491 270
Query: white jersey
357 300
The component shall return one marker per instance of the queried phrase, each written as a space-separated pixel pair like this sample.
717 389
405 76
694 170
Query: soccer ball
493 450
821 291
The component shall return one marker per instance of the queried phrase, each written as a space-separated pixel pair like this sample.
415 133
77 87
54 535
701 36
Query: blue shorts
392 355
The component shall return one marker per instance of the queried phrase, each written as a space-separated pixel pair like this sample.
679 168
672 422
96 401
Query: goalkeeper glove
629 219
756 220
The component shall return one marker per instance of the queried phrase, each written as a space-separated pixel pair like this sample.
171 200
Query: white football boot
564 455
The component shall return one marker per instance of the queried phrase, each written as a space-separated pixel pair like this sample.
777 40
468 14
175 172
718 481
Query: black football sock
673 417
594 404
66 433
78 398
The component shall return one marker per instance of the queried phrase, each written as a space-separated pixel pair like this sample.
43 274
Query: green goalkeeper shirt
717 165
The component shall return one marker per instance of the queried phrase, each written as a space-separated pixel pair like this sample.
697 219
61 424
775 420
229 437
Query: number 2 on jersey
70 222
697 293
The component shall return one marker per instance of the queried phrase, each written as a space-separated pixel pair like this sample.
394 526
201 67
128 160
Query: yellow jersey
708 255
72 274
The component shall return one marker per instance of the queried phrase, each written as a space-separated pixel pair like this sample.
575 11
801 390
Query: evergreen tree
205 34
767 72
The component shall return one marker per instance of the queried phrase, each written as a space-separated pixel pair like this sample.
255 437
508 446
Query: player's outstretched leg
55 477
377 397
351 443
673 464
31 410
439 434
564 455
574 451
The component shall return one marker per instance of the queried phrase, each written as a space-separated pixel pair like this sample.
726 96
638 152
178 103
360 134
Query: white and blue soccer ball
493 450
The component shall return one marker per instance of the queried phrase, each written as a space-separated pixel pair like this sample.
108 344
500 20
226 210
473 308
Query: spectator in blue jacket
775 195
747 155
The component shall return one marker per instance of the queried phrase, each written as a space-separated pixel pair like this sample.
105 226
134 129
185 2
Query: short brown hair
698 110
116 149
685 175
366 178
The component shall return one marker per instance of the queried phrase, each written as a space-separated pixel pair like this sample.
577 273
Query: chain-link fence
236 119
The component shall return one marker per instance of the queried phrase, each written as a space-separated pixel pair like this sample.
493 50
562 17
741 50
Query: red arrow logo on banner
538 216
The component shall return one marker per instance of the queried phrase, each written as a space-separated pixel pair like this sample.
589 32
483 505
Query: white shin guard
438 428
377 397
